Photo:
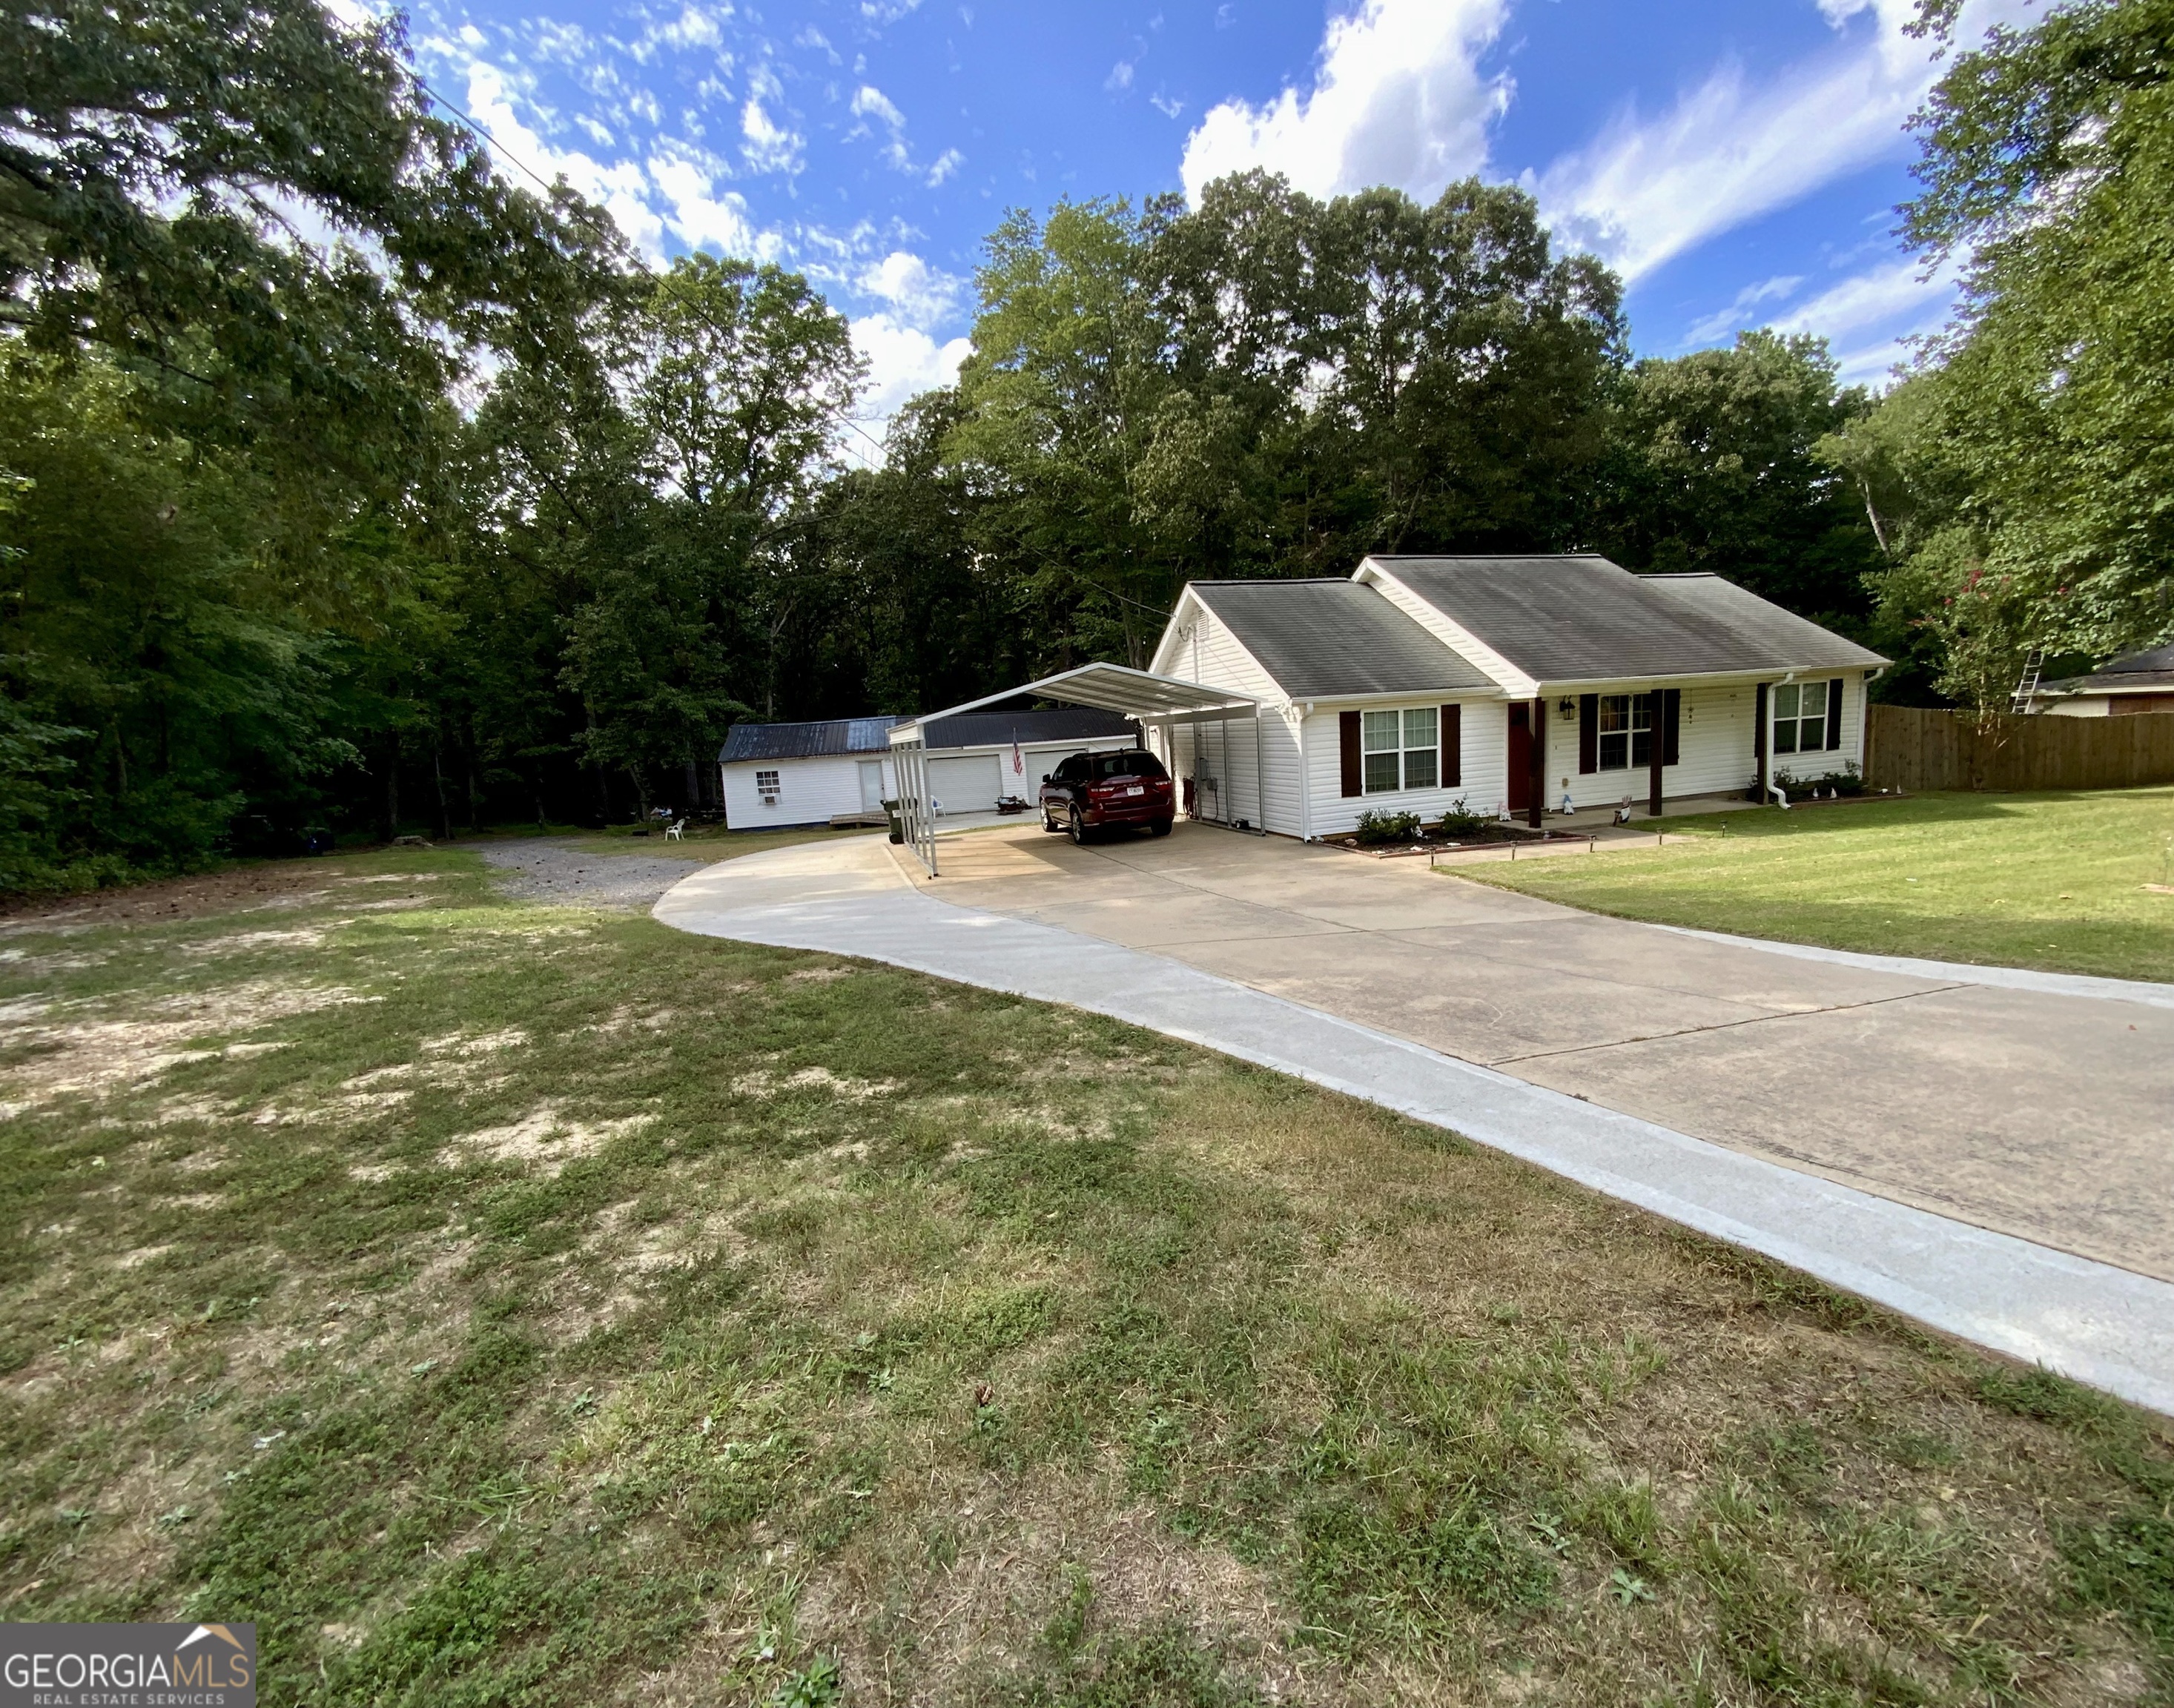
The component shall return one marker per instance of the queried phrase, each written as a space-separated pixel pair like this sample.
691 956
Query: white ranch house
1507 683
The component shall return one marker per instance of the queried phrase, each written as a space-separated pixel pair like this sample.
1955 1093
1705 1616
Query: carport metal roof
1137 693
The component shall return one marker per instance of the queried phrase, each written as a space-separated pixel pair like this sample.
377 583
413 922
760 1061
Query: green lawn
2056 881
499 1303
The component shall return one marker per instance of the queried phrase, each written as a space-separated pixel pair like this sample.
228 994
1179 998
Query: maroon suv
1115 791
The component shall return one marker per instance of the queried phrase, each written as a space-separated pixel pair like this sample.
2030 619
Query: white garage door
966 785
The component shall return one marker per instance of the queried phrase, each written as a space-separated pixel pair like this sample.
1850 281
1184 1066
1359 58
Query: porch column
1537 783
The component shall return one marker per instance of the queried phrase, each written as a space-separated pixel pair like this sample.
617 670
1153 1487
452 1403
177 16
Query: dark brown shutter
1452 746
1671 719
1588 734
1834 714
1347 745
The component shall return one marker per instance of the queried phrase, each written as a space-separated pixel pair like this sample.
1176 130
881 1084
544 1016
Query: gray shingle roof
2139 670
1323 638
1582 619
805 740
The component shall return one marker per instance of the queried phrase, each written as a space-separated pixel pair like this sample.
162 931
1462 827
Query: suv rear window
1131 763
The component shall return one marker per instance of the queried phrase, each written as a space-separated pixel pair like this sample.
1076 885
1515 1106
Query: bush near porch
2058 881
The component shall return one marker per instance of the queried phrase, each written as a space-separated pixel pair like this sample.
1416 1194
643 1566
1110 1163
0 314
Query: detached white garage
976 758
780 773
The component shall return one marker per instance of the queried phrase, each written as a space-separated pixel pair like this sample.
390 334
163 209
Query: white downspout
1779 793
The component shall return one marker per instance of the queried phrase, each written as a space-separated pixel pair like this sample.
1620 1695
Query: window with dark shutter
1347 747
1671 719
1589 733
1834 714
1453 747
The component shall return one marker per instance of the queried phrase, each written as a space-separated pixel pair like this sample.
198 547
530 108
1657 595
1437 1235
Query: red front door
1521 757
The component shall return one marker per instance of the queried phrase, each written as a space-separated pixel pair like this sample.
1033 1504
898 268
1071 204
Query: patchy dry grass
503 1304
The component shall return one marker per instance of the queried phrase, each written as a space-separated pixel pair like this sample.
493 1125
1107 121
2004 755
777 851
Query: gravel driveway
573 876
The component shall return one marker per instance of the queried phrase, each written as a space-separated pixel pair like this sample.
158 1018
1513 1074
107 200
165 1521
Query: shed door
966 785
871 786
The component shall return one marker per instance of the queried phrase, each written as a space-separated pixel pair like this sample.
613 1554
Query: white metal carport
1160 702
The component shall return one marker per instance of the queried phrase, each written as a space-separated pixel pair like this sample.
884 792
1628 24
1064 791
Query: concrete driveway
2048 1116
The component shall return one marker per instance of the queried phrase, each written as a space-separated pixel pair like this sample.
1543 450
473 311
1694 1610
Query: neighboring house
978 757
794 774
1504 682
2143 682
780 773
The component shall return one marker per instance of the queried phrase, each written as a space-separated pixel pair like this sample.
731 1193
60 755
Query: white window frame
1795 719
1391 761
1619 748
769 784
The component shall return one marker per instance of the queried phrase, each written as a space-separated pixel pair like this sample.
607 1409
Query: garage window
1402 749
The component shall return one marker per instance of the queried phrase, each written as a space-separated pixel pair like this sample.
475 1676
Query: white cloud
621 186
1647 190
693 28
768 146
700 218
1726 322
947 163
921 294
1875 298
1868 318
1120 78
871 102
1398 98
1166 105
903 361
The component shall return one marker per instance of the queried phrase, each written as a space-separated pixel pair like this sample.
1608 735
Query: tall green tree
1273 384
1714 466
157 672
2044 422
661 490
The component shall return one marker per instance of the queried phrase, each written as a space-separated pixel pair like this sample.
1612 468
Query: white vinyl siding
1218 757
1482 732
1713 748
808 791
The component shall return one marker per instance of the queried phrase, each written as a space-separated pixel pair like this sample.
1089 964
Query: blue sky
1739 163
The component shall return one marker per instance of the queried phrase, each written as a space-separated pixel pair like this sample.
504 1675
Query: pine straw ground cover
499 1303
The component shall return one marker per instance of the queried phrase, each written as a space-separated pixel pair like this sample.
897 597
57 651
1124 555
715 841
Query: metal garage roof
1136 694
804 741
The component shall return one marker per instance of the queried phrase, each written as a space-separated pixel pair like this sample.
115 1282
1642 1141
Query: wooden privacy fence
1908 748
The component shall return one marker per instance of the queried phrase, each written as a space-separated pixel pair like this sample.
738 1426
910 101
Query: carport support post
1260 781
1537 782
